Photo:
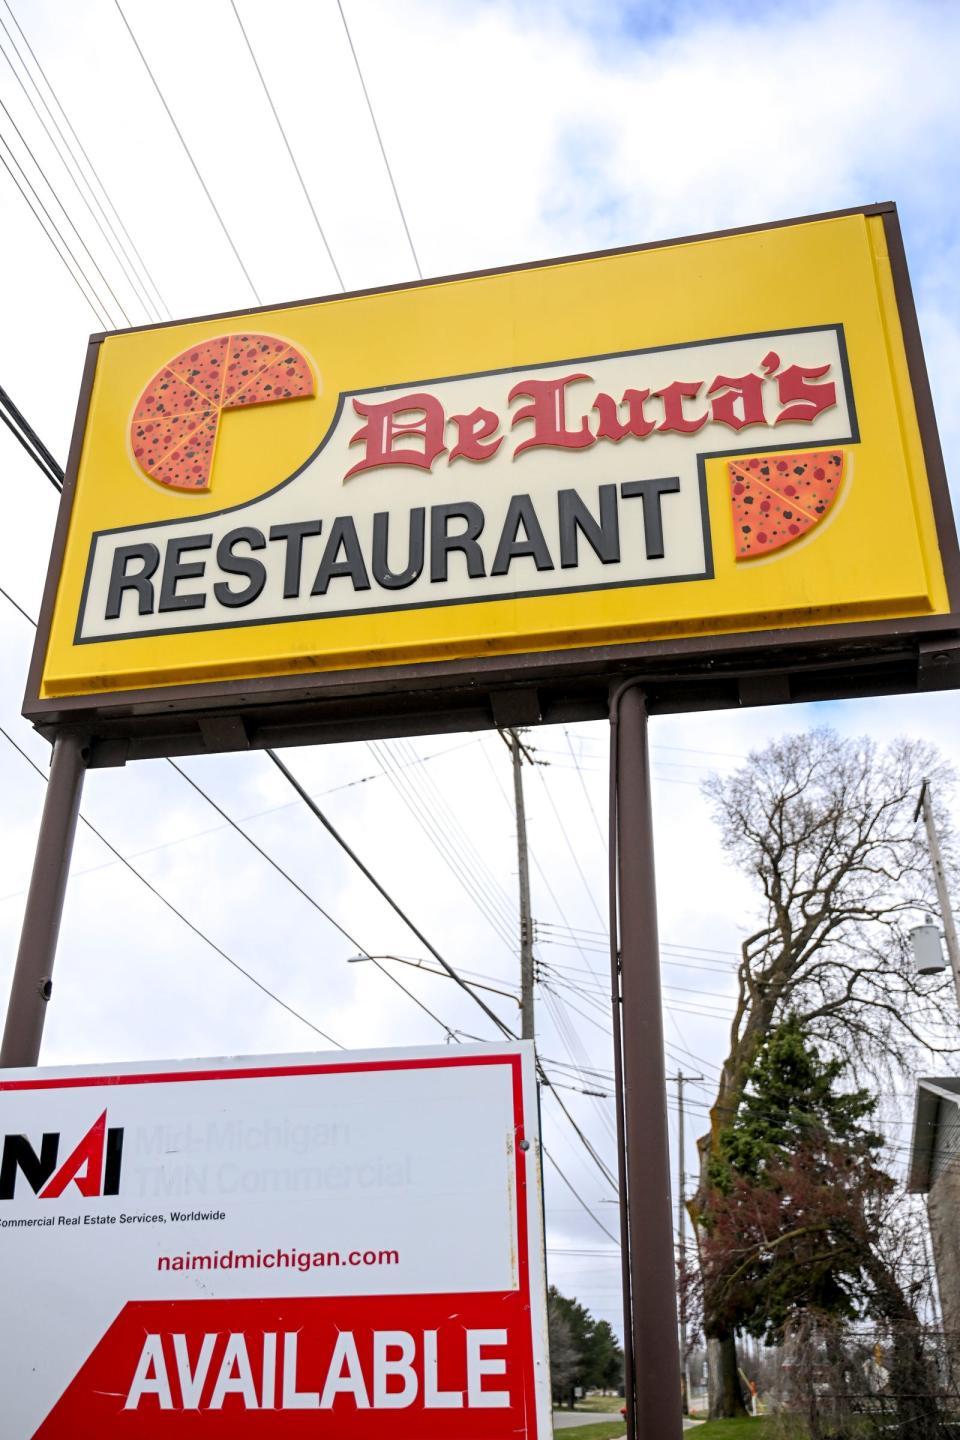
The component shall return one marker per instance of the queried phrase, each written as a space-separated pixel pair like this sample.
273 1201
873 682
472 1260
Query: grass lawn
605 1430
749 1429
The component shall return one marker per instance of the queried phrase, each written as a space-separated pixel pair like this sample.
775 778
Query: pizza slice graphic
776 499
174 428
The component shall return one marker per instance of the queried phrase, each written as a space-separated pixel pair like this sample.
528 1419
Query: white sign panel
314 1245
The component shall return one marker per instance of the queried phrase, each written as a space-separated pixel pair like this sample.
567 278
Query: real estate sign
661 455
344 1245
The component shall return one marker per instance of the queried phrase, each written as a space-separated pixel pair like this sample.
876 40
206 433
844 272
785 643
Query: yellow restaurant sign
728 436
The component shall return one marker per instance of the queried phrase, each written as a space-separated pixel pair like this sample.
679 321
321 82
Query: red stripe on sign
416 1367
255 1072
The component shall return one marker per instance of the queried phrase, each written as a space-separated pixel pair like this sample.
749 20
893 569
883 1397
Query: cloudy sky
516 131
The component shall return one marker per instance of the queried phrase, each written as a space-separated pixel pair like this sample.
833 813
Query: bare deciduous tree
825 827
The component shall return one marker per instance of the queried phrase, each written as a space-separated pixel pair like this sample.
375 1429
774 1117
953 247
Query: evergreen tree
797 1195
584 1352
796 1231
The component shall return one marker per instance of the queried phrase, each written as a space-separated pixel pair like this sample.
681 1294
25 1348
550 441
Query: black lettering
254 570
149 556
441 543
521 512
603 535
294 534
175 570
398 579
651 492
111 1166
343 535
18 1153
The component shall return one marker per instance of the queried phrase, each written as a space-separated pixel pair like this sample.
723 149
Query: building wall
943 1208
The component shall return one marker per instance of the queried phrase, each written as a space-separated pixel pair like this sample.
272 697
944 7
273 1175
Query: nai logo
93 1165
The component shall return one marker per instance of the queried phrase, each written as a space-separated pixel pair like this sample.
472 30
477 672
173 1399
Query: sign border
757 667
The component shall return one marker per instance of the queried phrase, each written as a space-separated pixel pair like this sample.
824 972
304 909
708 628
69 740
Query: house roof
932 1094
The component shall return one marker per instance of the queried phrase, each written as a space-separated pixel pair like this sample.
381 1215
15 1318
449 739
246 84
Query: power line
293 158
93 303
21 440
266 856
376 127
70 175
447 968
464 840
309 898
315 809
589 1147
569 843
483 896
215 829
533 854
189 154
305 893
66 216
331 829
30 440
179 913
579 1198
13 602
451 1034
583 786
136 258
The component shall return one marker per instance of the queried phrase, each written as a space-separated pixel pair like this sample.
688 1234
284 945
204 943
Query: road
565 1419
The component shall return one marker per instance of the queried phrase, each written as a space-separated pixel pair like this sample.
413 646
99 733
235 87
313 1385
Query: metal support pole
940 880
645 1168
527 1026
33 972
682 1229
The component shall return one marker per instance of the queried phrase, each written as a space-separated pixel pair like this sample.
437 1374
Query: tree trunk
726 1394
723 1379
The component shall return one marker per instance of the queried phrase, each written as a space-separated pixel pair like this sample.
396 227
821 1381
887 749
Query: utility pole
680 1080
925 807
518 752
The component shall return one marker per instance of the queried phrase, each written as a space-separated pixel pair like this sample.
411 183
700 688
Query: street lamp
429 970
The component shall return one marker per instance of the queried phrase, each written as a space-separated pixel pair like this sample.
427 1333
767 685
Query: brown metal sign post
33 973
649 1301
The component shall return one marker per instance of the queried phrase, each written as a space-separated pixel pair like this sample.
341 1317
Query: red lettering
809 400
547 410
611 427
673 397
384 428
741 402
84 1166
472 431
